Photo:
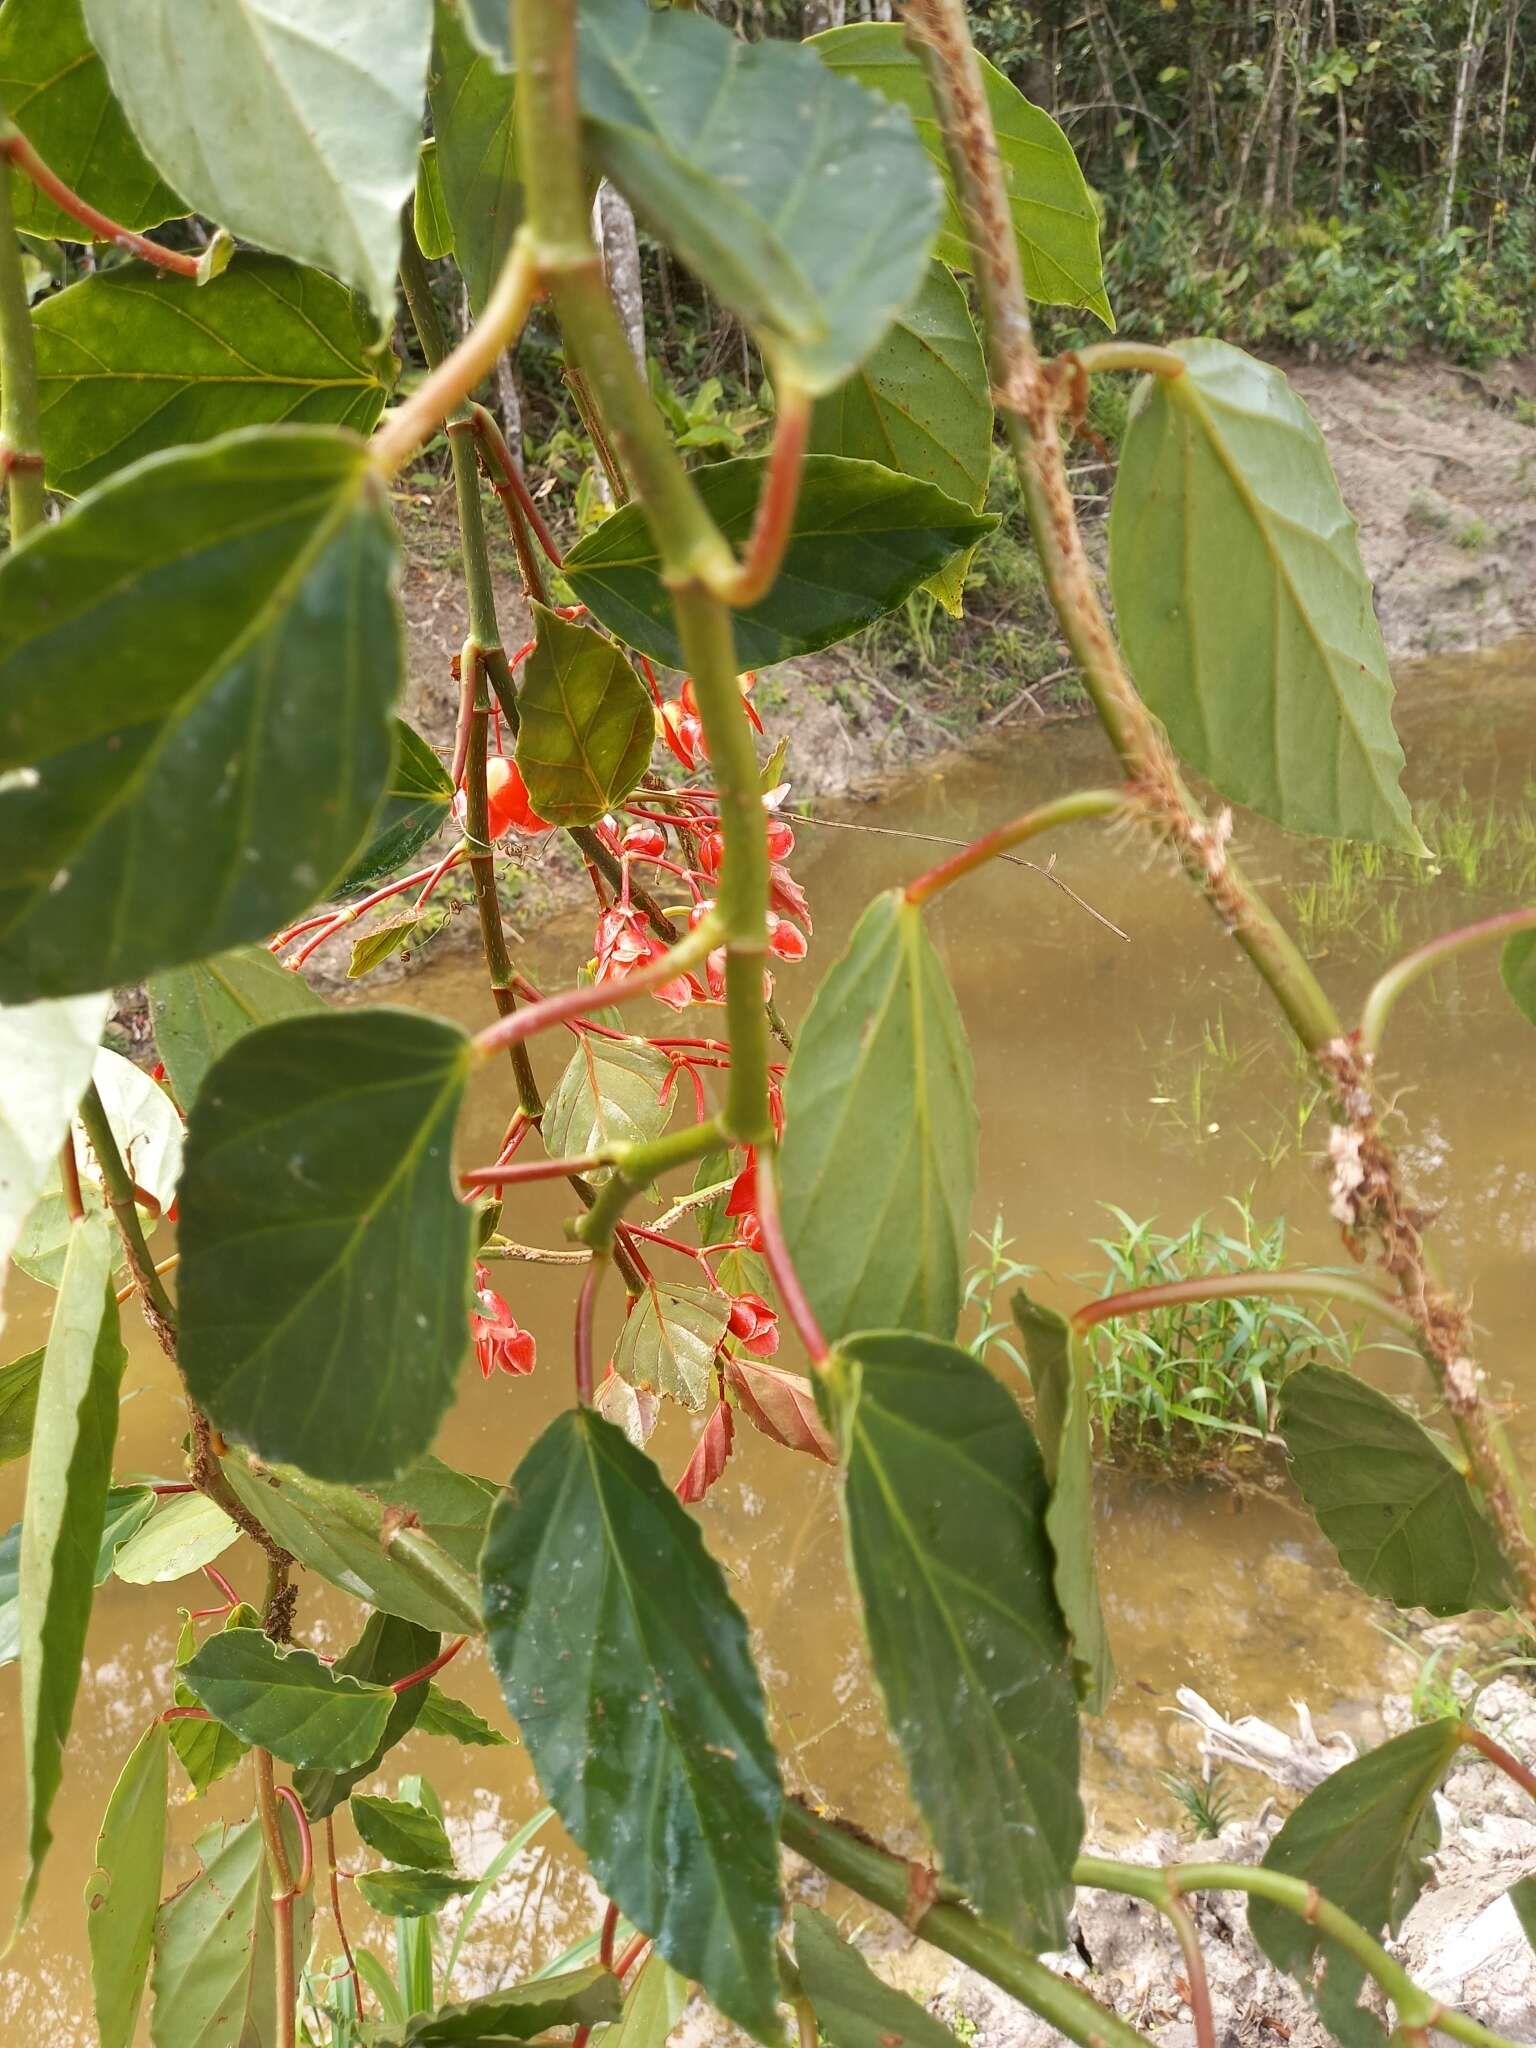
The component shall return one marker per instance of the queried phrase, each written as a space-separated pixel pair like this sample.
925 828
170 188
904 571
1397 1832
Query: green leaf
1404 1521
287 1701
609 1094
123 1890
669 1340
63 1516
375 947
417 800
1055 221
1361 1837
1243 604
403 1833
388 1649
620 1677
1517 966
410 1894
854 2009
864 539
799 200
945 1499
47 1051
434 230
576 1998
343 1535
184 1535
54 87
10 1594
210 779
878 1164
144 1123
443 1715
213 1980
206 1750
587 724
321 1230
297 135
1058 1373
657 2000
476 155
200 1010
1522 1896
131 362
18 1405
128 1508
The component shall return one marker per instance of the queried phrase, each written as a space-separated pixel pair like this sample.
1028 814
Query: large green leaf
417 800
213 776
853 2008
145 1124
1522 1896
213 1979
1361 1837
181 1537
200 1010
402 1832
1517 966
324 1282
587 726
63 1516
18 1405
1244 606
476 154
1058 1373
126 1509
1055 221
387 1650
803 204
626 1664
878 1164
343 1535
609 1094
54 87
864 539
1388 1498
411 1894
945 1499
47 1051
669 1340
287 1701
123 1891
206 1750
575 1998
131 362
295 129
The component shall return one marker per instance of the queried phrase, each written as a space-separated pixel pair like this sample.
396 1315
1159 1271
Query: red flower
683 730
754 1325
788 898
508 806
499 1343
743 1195
623 945
645 842
785 939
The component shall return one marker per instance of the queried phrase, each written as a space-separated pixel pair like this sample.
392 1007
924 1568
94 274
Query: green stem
1129 355
875 1874
1066 810
1136 1301
635 1167
1405 972
119 1187
21 433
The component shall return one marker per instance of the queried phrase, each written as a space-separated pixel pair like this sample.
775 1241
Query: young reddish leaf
710 1457
781 1404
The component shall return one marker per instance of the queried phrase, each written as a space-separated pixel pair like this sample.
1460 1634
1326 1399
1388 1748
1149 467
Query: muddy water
1144 1073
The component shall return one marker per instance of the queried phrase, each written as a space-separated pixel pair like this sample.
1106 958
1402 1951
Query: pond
1147 1072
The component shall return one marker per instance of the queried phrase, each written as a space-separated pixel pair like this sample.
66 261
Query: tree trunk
1466 78
1274 118
1341 117
1293 113
613 226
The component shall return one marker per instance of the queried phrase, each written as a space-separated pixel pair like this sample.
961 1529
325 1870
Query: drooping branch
1489 931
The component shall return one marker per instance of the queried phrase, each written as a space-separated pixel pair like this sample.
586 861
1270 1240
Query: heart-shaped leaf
878 1164
132 361
621 1678
443 1715
1243 603
296 133
200 1010
211 778
417 799
1055 221
574 1998
853 2008
47 1051
63 1517
402 1833
123 1891
1361 1837
864 538
1058 1373
945 1499
587 724
287 1701
410 1894
1517 966
475 150
670 1338
804 204
54 87
1387 1496
610 1093
387 1650
321 1231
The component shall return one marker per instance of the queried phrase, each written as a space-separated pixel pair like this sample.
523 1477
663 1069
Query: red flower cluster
500 1345
509 808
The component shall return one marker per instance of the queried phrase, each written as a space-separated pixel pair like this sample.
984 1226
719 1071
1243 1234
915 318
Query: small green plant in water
1207 1802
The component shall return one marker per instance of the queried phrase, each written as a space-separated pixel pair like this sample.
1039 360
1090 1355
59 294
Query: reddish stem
430 1670
341 1931
1496 1753
782 1267
223 1584
186 1714
173 1486
1183 1922
515 1171
586 1307
26 159
493 441
638 1943
306 1874
468 683
774 520
575 1002
610 1930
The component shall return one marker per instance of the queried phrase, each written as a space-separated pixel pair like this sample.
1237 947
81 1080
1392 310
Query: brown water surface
1150 1074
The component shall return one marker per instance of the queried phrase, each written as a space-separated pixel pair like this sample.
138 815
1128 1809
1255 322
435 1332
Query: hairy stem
1424 959
21 433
